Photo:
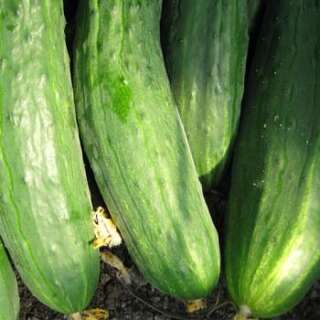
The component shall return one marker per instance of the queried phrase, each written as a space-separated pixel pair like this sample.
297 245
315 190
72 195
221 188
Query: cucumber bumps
273 222
137 147
44 199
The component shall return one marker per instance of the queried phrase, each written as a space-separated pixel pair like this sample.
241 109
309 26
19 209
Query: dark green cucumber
253 9
137 148
44 200
273 223
9 297
205 55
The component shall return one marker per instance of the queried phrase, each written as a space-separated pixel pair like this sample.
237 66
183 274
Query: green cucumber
273 222
253 10
205 55
137 148
9 297
44 199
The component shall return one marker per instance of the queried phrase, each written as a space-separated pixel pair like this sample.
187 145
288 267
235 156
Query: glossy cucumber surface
44 200
273 222
205 47
137 147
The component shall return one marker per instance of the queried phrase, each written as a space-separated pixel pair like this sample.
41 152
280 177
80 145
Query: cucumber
205 55
272 246
137 148
253 10
9 297
44 199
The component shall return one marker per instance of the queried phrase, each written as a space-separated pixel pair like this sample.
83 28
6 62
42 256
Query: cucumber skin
205 53
273 223
137 148
45 203
9 297
253 9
